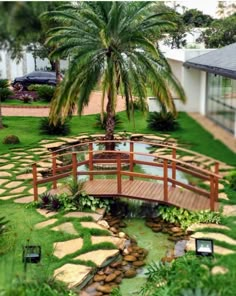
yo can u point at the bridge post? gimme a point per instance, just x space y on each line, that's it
173 166
35 185
212 193
74 166
216 180
131 160
165 178
54 169
90 161
119 173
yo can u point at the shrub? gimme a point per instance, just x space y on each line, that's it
60 128
92 203
11 139
45 92
162 121
26 98
232 180
102 123
5 92
49 201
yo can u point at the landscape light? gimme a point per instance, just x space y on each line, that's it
31 254
204 247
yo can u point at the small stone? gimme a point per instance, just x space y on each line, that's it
138 263
103 223
110 277
99 278
219 270
130 273
130 258
105 289
121 234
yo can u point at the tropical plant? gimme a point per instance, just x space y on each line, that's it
185 218
61 127
232 180
5 92
162 121
101 121
113 43
45 92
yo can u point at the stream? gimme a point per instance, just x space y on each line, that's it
157 246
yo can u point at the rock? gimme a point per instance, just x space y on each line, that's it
114 229
118 280
176 229
138 263
110 277
130 258
99 278
103 223
167 259
219 270
116 264
117 272
121 234
105 289
156 229
130 273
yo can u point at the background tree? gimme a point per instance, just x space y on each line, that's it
111 43
196 18
220 33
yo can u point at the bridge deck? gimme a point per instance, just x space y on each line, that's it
149 191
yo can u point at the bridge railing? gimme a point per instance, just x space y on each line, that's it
169 165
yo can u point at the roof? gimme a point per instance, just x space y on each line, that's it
221 61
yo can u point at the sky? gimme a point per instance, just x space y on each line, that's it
207 6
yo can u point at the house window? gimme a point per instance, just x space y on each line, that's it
221 101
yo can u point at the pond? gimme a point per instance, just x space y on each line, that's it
157 245
139 148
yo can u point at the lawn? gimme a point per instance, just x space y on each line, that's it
190 134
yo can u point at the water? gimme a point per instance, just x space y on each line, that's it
139 148
157 245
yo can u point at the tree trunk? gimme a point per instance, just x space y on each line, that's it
110 124
55 66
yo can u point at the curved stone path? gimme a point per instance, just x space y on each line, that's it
15 183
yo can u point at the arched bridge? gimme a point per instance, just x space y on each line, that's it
111 174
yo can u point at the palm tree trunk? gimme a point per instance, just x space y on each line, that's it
110 124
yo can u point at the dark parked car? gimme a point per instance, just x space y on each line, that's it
37 77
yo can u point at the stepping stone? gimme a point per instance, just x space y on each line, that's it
7 197
67 227
196 226
92 225
69 140
46 213
24 177
154 138
20 153
223 195
229 210
72 274
221 186
2 160
7 167
62 249
18 190
95 216
118 242
219 270
45 223
217 249
187 158
40 190
215 236
2 191
26 199
54 145
81 137
44 164
99 257
2 181
13 184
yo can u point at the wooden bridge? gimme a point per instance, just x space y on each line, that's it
162 188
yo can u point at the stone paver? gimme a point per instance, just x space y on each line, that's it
45 223
40 190
5 174
118 242
26 199
98 257
46 213
2 191
95 216
18 190
229 210
67 227
216 236
54 145
72 274
7 166
223 195
92 225
2 181
62 249
13 184
219 270
6 197
24 177
2 160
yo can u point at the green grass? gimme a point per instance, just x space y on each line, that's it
15 102
190 134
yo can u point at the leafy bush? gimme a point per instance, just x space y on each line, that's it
26 98
33 87
186 218
92 203
102 123
5 92
162 121
49 201
11 139
60 128
45 92
232 180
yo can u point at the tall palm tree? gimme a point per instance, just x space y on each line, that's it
114 44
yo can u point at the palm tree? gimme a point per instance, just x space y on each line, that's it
114 44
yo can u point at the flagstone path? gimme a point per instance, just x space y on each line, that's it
15 183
